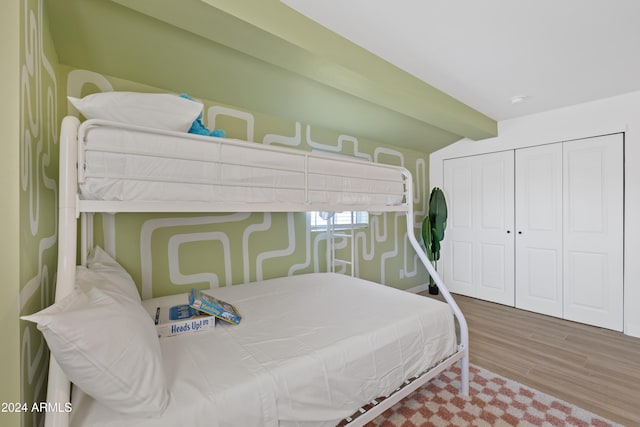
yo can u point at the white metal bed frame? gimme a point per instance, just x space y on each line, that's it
72 206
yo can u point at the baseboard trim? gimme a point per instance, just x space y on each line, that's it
419 288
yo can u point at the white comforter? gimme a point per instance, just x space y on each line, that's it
309 351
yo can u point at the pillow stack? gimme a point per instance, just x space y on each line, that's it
105 341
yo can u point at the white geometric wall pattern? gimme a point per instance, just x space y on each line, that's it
218 110
365 240
339 147
77 79
291 141
178 240
153 225
238 242
39 121
295 268
419 188
420 207
288 250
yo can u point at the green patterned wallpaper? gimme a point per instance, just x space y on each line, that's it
169 254
39 123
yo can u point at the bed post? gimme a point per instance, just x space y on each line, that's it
463 345
59 387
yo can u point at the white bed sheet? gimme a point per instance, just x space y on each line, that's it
309 351
125 164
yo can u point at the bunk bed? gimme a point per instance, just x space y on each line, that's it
320 369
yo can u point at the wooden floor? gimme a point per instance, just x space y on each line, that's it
596 369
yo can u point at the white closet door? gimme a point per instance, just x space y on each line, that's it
538 229
456 256
593 231
478 251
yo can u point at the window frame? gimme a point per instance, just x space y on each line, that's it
348 220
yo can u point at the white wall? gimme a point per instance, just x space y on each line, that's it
611 115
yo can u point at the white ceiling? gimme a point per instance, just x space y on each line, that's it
484 52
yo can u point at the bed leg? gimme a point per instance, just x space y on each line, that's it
58 393
464 374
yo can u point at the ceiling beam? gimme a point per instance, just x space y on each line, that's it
274 33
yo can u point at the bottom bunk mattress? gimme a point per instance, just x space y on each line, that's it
310 350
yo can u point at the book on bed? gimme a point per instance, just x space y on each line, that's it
213 306
179 319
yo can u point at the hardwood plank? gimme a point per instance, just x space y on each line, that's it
594 368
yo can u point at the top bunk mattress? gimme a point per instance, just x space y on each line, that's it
129 163
309 350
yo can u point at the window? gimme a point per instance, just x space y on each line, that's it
342 220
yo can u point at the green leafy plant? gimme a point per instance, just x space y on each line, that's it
433 227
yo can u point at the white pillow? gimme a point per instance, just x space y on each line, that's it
156 110
108 346
104 272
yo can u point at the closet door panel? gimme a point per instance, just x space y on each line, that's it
457 254
477 258
494 261
593 231
538 228
461 278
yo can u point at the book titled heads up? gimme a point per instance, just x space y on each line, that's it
213 306
180 319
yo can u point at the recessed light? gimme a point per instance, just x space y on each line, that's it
519 99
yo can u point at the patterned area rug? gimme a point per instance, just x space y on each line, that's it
494 401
